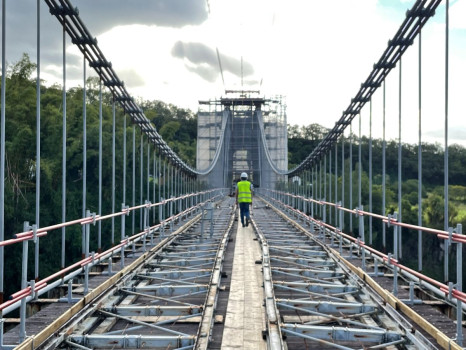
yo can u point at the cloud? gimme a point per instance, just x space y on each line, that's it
206 72
455 133
202 60
457 12
196 53
102 15
131 78
98 16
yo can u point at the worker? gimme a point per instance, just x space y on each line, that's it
244 198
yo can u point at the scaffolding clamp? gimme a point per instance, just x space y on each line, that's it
34 233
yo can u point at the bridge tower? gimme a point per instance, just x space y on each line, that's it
242 132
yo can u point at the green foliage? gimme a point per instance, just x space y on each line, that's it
302 140
178 125
432 203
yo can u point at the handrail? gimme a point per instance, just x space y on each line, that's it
42 286
458 238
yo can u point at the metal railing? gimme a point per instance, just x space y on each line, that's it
31 290
452 292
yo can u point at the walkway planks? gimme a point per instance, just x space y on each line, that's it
244 321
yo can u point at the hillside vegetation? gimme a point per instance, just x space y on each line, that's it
177 126
302 141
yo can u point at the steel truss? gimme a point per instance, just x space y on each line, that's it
80 36
415 19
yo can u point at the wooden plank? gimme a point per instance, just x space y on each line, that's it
84 327
434 302
105 326
12 320
45 301
244 316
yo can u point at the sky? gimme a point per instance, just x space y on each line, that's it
314 53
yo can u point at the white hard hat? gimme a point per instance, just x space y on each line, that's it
244 175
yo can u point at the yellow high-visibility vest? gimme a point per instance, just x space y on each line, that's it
244 192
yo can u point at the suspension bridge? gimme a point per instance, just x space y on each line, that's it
304 274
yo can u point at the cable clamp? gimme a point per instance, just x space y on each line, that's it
34 233
32 284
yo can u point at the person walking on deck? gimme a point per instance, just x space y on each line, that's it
244 198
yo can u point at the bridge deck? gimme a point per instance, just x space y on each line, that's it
240 315
432 310
50 309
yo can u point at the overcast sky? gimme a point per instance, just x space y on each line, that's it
315 53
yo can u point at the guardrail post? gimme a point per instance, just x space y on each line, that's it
162 231
363 255
123 229
171 214
376 267
2 321
191 204
70 291
87 229
151 234
202 222
210 216
180 205
146 218
411 291
395 234
395 275
22 322
350 256
305 206
332 237
340 246
301 204
143 237
122 260
324 214
459 287
34 295
361 223
362 238
340 228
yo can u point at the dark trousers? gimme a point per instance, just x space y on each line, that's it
244 211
